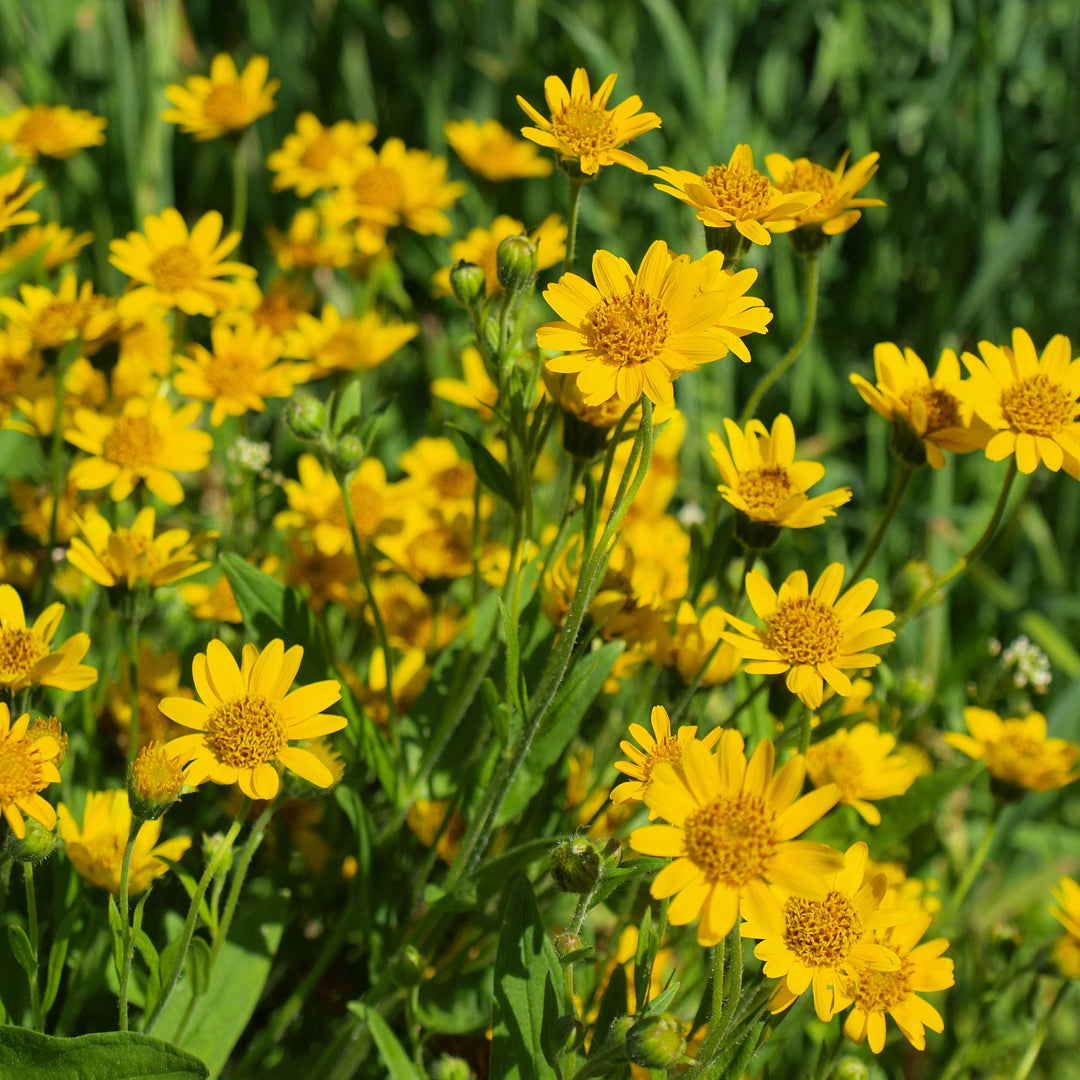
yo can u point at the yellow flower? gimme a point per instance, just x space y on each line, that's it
426 819
53 319
823 942
51 131
741 314
328 579
306 159
813 636
1017 750
154 782
490 150
481 247
226 101
922 970
838 209
737 194
27 768
432 548
147 442
732 829
277 309
915 895
332 343
178 269
34 505
214 603
632 333
307 244
96 847
158 676
411 674
1030 402
478 391
20 370
695 638
1067 947
922 407
247 717
582 129
14 197
84 387
133 556
408 615
26 655
444 480
657 746
765 483
51 243
862 764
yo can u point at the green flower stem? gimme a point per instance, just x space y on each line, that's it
971 872
193 912
133 681
125 916
32 934
240 186
748 564
805 717
726 991
896 496
572 203
1027 1062
813 268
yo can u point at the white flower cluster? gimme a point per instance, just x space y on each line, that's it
1030 665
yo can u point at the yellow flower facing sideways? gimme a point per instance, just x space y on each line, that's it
27 768
53 244
26 654
53 319
495 153
838 209
1067 947
333 343
14 196
307 158
54 131
227 101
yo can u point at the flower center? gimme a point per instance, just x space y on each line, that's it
821 933
367 509
439 553
732 839
1037 406
627 329
276 312
340 351
231 374
228 105
20 650
942 408
246 732
134 442
834 762
319 153
41 130
586 127
379 186
741 192
878 991
806 176
805 631
58 322
20 770
12 369
667 749
129 550
176 268
455 482
1015 753
765 490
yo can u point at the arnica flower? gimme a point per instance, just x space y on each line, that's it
811 635
925 410
155 782
214 603
306 159
822 941
432 548
874 993
96 847
582 130
427 821
736 194
228 101
53 319
27 768
411 675
481 245
477 390
158 676
495 153
861 762
52 243
175 268
445 480
26 654
14 197
1067 947
693 642
134 557
54 131
408 614
247 717
656 746
733 825
309 243
242 371
147 442
1016 750
839 208
333 343
1028 400
633 333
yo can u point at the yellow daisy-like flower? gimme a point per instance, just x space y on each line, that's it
922 970
811 635
27 768
241 372
445 480
477 391
425 819
838 209
1067 947
214 603
26 654
53 244
408 615
656 746
411 674
133 556
308 243
737 194
432 548
14 197
306 159
53 319
733 828
582 129
332 343
822 942
175 268
1017 750
765 483
227 101
633 333
693 642
925 410
1028 400
862 764
55 131
247 717
148 441
96 847
495 153
276 309
481 247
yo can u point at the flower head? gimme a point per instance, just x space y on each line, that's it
14 197
52 243
697 650
53 319
155 781
732 829
27 768
333 343
247 717
227 101
495 153
1067 947
582 130
215 603
307 159
51 131
26 654
310 243
838 208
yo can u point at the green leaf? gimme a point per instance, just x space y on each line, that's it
347 409
397 1062
491 474
525 961
26 1055
612 1005
20 946
513 657
901 816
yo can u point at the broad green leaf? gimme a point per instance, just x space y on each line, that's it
491 474
347 408
26 1055
901 816
398 1064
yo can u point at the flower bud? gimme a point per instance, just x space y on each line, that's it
515 263
407 969
575 864
216 852
567 943
468 282
154 783
306 417
451 1068
656 1042
911 581
348 453
850 1068
564 1035
36 846
917 691
51 727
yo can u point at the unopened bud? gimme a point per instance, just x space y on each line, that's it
850 1068
50 727
451 1068
348 453
564 1035
515 263
407 969
35 846
656 1042
217 853
468 283
575 864
910 582
917 688
306 417
155 782
567 943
